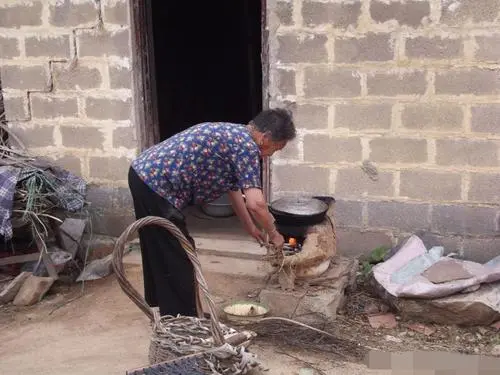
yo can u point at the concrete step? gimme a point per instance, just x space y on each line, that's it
226 256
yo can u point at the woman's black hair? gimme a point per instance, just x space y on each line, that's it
277 122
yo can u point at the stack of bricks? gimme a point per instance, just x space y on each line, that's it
65 70
411 88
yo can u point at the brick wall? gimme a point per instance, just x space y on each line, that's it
65 70
398 105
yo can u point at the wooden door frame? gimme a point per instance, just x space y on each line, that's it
144 82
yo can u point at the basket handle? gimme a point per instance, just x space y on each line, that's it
129 233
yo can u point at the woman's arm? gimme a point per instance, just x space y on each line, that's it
257 207
240 209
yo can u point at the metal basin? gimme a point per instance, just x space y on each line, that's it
221 207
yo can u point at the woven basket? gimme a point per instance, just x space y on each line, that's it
181 336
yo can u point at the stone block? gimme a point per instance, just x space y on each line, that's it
76 77
353 182
312 305
108 109
21 14
72 14
70 234
101 43
398 150
82 137
481 250
357 242
125 137
371 47
24 77
484 187
71 163
450 243
460 219
15 108
430 185
9 47
363 116
310 48
410 13
339 15
10 291
467 152
325 149
116 12
475 11
51 107
331 83
440 117
33 290
398 215
311 116
434 48
111 224
486 118
53 46
301 178
488 48
285 82
284 11
106 199
471 82
348 213
120 77
35 136
109 168
397 83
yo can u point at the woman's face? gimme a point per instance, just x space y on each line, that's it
268 147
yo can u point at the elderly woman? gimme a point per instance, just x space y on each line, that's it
196 166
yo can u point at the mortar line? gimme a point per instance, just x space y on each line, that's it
431 83
431 150
299 81
397 184
396 113
435 11
364 215
333 179
45 14
364 84
297 14
365 148
331 119
465 188
467 119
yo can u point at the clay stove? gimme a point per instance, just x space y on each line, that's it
310 279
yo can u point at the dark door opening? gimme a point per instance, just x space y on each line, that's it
207 62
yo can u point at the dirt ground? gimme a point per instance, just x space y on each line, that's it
102 332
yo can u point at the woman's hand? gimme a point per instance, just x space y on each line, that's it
276 239
258 235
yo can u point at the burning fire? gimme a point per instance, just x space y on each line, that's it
292 241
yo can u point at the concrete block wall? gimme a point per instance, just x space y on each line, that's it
65 71
398 105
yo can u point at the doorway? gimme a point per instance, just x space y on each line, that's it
207 62
198 62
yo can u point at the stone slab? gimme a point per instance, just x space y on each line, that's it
314 300
71 232
10 291
33 290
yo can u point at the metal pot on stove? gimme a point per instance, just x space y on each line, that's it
295 214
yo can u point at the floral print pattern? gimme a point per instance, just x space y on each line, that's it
201 163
